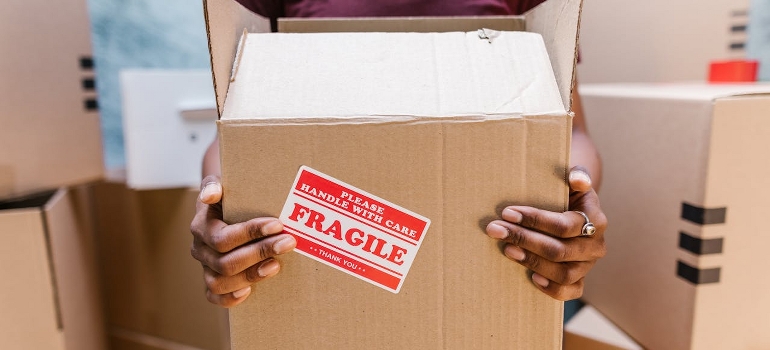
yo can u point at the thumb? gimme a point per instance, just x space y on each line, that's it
579 180
211 190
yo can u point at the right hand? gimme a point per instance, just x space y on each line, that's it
234 256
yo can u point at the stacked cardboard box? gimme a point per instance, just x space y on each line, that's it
50 298
49 140
686 188
454 168
153 290
588 329
50 136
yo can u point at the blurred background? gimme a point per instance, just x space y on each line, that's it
169 34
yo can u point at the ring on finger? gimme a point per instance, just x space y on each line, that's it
588 228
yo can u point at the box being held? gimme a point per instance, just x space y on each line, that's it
686 187
447 124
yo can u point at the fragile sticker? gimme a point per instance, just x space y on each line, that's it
352 230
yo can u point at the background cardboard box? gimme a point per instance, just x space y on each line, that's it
588 329
50 297
685 188
447 302
154 290
659 40
50 134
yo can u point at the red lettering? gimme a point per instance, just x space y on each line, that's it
375 249
299 211
353 240
315 220
334 230
396 255
353 236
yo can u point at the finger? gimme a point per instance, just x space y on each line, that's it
558 291
548 247
224 238
211 190
230 299
220 284
562 273
241 258
564 225
579 179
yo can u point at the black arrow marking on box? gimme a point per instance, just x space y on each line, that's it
698 276
89 84
86 63
703 216
91 104
700 246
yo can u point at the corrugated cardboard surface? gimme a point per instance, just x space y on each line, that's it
50 267
45 121
461 291
152 286
702 149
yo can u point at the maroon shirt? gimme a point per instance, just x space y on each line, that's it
374 8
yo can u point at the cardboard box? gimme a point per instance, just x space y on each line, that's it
449 164
50 297
168 123
50 135
154 290
659 40
685 187
590 330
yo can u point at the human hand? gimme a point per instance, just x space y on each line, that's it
550 243
234 256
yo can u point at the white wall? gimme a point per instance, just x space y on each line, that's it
657 40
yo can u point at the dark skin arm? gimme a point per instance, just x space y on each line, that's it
549 243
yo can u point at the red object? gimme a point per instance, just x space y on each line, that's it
737 71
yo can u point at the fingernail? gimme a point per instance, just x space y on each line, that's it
209 191
268 268
272 228
579 175
515 252
242 292
511 215
540 280
284 245
496 231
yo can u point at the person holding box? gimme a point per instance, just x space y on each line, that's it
559 247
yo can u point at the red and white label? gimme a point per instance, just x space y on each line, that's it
351 230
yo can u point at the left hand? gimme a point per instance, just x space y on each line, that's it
550 243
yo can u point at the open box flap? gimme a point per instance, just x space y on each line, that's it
556 20
225 22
